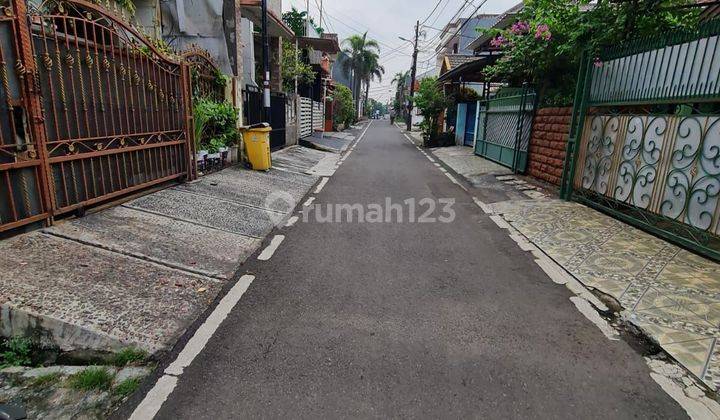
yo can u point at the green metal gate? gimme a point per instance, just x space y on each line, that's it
504 126
644 142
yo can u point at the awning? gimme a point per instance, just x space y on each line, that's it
469 72
252 10
326 45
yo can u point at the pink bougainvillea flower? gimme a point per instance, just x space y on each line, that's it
597 62
542 31
520 28
498 41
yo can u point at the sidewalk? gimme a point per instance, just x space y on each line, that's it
330 142
138 274
672 295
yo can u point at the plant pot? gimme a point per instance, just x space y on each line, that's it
214 155
201 155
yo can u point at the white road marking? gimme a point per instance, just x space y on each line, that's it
485 208
593 316
268 252
154 399
308 201
502 224
291 221
363 133
522 242
321 185
437 164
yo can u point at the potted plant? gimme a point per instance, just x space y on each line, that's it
215 131
201 117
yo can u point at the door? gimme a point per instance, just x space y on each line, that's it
470 122
461 119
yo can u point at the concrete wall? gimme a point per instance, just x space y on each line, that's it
547 143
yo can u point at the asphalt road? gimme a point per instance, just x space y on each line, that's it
413 320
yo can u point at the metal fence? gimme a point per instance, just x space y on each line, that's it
306 117
278 109
504 126
91 111
207 80
318 116
645 137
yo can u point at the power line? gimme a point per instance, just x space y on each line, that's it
440 13
461 26
359 31
466 3
355 29
433 11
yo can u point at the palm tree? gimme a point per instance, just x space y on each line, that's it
373 70
400 79
357 48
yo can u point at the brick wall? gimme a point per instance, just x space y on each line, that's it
547 144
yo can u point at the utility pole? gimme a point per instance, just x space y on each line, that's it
413 74
321 12
307 18
266 63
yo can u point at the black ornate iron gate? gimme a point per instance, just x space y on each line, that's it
253 113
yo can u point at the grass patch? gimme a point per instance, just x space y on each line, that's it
45 380
126 387
129 356
91 379
16 351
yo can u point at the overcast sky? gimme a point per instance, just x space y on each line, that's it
386 20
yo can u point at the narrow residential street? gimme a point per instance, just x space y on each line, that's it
431 320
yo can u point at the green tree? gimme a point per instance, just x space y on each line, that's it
373 106
400 80
293 66
359 49
373 71
431 102
296 19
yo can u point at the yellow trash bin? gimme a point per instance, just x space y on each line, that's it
257 146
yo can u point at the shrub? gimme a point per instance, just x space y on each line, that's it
45 380
344 108
91 379
431 101
126 387
15 351
129 356
544 46
215 124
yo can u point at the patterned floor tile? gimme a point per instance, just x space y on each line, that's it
673 294
692 354
712 372
660 298
664 335
675 316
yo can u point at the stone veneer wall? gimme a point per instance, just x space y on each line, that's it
547 143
